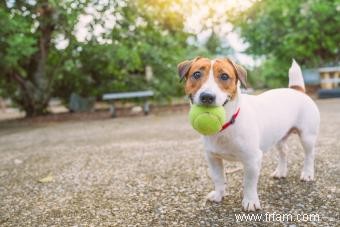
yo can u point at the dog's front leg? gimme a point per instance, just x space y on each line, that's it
216 170
252 166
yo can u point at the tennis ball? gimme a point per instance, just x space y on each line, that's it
207 120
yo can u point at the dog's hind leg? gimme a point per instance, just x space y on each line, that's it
281 169
308 143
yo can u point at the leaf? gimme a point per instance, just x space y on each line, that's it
47 179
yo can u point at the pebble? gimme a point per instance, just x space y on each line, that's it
18 161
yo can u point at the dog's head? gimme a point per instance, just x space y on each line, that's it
211 82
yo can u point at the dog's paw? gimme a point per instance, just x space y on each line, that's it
251 204
279 173
307 176
215 196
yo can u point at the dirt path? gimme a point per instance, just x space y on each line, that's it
149 171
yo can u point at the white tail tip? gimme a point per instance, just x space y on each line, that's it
295 76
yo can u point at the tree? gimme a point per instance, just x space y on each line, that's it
29 30
280 30
145 33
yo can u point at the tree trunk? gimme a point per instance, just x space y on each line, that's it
35 89
28 97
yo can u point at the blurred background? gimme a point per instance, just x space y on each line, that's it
63 56
68 66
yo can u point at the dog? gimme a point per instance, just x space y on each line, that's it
256 123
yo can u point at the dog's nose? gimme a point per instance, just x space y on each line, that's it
207 98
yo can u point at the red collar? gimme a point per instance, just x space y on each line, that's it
232 120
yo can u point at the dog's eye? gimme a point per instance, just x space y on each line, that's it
224 76
196 75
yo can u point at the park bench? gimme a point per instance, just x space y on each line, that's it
112 97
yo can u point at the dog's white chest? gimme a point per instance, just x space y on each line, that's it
223 147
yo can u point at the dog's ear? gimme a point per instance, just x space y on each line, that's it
184 67
240 72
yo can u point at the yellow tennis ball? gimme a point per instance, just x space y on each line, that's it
207 120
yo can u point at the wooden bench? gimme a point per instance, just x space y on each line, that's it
129 95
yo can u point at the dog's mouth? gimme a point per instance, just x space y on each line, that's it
208 105
226 100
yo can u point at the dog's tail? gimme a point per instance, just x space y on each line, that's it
295 77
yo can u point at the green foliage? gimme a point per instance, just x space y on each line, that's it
30 61
281 30
272 73
17 42
145 33
141 38
216 47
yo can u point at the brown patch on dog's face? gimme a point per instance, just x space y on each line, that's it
218 79
192 84
225 76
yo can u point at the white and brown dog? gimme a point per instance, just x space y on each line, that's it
257 123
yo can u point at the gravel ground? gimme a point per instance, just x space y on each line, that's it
149 171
